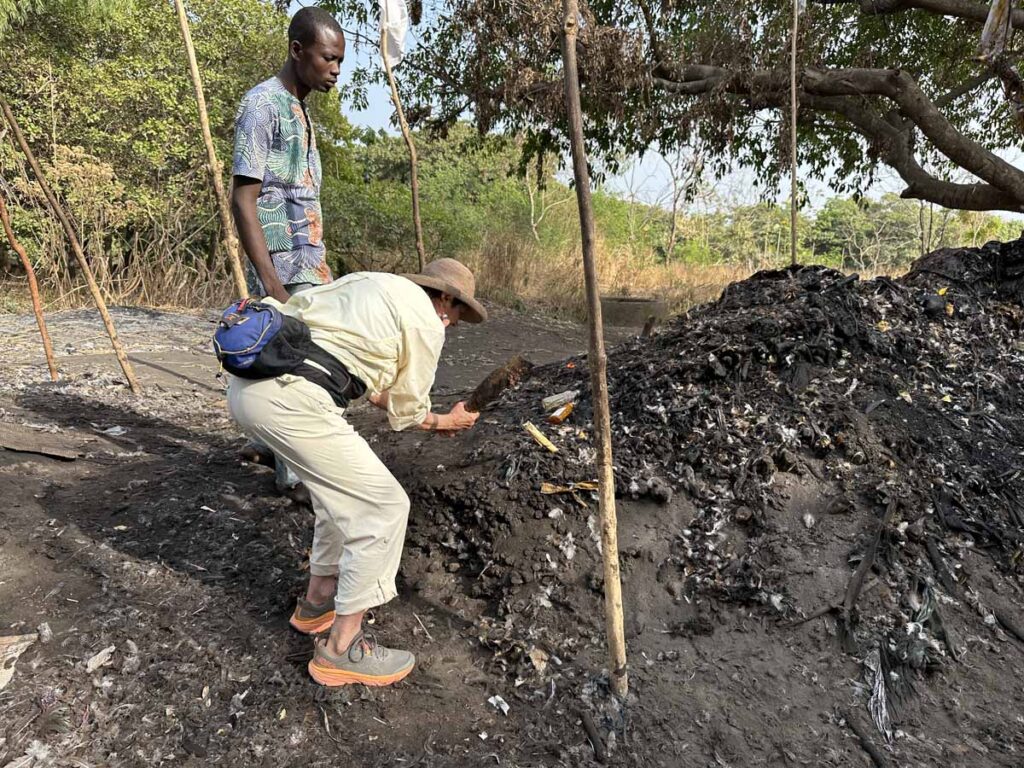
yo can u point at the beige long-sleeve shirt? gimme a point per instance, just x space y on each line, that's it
384 329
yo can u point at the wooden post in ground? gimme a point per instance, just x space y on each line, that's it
792 134
76 247
226 224
414 180
33 288
597 359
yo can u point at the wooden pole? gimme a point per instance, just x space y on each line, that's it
414 180
33 288
792 135
216 172
76 248
597 359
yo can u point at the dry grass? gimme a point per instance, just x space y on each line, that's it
511 271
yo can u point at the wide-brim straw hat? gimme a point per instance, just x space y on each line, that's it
454 278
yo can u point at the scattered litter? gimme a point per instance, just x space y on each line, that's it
114 431
11 647
561 414
45 633
537 435
552 488
499 703
100 659
539 659
557 401
568 547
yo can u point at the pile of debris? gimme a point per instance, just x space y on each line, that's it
898 398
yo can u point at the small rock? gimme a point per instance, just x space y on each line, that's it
45 633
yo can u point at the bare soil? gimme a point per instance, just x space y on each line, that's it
766 445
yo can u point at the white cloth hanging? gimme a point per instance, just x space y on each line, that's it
394 22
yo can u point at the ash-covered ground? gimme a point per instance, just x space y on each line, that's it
820 529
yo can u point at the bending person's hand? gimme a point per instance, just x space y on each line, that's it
456 420
461 418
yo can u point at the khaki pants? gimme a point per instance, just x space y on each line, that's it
361 510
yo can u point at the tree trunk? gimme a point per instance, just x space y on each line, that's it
33 288
597 360
414 180
216 172
76 248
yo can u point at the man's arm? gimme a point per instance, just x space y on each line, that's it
455 421
244 194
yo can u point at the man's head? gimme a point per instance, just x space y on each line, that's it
316 48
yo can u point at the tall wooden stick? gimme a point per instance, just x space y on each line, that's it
792 134
414 180
216 172
33 288
596 357
76 248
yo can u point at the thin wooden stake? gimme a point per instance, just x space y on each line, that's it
216 171
792 135
597 359
414 180
76 248
33 288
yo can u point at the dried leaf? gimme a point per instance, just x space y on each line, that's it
100 659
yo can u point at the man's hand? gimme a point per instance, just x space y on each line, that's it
460 418
456 420
380 399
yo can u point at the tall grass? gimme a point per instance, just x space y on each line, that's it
516 271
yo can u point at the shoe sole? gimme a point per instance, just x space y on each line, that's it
312 626
333 677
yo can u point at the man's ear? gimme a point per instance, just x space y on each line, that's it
294 50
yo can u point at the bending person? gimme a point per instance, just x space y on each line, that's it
387 330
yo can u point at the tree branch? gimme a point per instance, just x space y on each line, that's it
844 88
961 9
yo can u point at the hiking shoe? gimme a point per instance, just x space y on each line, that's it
310 618
365 662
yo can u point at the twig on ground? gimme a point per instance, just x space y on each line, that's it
861 733
424 628
595 738
327 726
846 611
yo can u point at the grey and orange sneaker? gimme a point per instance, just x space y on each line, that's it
310 618
365 662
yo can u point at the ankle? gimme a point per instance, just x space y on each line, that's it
321 589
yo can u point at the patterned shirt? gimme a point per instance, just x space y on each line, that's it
274 143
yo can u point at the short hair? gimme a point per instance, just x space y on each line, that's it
307 23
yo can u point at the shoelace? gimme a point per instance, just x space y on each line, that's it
366 645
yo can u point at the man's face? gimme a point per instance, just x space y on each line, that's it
319 64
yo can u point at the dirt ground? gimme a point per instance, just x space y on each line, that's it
764 451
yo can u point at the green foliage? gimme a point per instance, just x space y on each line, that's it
113 92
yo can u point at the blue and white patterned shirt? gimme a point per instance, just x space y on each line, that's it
275 144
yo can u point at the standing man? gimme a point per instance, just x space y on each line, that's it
276 194
275 197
